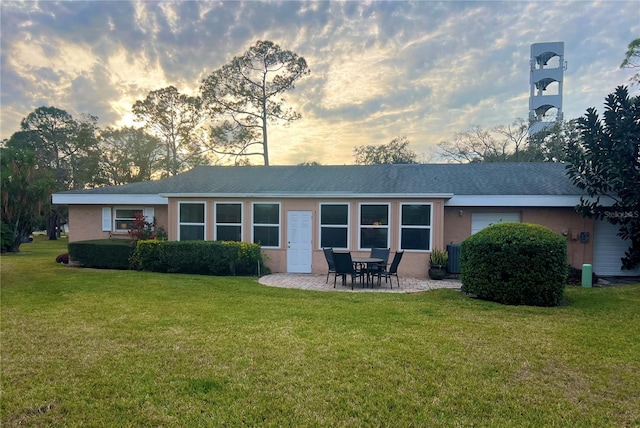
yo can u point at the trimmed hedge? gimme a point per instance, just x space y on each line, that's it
102 253
198 257
515 263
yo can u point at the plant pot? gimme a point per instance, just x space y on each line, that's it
437 272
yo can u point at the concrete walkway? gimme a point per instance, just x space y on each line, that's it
317 282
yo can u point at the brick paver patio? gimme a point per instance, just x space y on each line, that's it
317 282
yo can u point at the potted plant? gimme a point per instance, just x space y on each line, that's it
438 264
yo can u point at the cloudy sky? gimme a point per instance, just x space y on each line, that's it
423 70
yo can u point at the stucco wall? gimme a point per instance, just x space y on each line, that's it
564 221
449 225
414 264
85 222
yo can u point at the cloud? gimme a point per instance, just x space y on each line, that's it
379 69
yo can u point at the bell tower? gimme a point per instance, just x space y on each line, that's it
546 79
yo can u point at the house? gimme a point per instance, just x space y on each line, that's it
295 211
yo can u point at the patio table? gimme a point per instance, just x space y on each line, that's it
366 261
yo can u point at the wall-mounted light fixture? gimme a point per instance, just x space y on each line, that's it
460 213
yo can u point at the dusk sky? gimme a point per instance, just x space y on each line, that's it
424 70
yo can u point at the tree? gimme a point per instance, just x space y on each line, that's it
233 140
65 145
396 152
606 163
175 119
549 144
246 92
473 145
508 143
129 155
632 59
25 189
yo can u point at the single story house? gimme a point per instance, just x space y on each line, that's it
295 211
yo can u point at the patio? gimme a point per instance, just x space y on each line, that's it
317 282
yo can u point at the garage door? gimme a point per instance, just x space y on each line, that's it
608 249
481 220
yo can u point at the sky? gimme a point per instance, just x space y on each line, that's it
379 69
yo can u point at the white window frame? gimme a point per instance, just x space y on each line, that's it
361 226
279 225
337 226
115 216
401 226
215 221
204 224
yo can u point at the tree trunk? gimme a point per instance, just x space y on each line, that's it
265 142
52 222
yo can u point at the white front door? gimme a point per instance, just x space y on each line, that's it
299 241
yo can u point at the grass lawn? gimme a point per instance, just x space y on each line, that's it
84 347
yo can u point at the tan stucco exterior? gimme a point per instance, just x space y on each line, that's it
565 221
85 222
414 263
448 225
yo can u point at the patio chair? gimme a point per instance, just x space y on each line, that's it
376 269
393 269
344 267
328 254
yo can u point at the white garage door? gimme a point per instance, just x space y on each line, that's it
608 249
481 220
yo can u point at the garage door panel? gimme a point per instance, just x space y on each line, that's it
481 220
608 250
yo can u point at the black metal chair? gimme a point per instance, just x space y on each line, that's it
375 269
344 267
393 269
328 254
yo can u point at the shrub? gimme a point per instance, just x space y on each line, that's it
63 258
439 257
102 253
515 263
198 257
6 237
142 229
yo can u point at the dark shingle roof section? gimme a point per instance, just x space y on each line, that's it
458 179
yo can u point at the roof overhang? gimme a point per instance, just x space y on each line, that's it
513 201
107 199
451 199
307 195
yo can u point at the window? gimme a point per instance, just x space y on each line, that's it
124 218
334 226
106 219
228 222
191 223
374 226
266 224
415 227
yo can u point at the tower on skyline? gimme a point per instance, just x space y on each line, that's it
546 79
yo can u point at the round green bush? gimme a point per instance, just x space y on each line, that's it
515 264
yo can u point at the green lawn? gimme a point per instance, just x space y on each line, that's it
83 347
